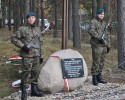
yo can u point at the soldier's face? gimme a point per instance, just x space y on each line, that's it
101 16
31 19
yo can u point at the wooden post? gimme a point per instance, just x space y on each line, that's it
65 24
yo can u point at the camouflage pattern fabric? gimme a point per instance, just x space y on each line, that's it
99 50
23 36
30 62
98 56
30 70
96 30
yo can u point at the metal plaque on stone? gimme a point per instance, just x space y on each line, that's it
72 68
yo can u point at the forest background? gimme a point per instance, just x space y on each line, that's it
80 12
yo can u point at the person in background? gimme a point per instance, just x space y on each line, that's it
31 57
100 44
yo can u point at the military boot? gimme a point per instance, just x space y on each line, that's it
94 80
100 80
41 60
35 91
24 93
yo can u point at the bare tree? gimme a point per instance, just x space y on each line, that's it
109 7
94 7
27 2
55 33
0 16
100 3
3 11
22 11
121 34
76 27
9 14
16 14
33 5
42 15
70 21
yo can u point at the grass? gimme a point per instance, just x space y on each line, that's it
9 72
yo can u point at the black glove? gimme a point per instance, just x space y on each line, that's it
25 49
108 49
41 60
102 41
49 28
109 28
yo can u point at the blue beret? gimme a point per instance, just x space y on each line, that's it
99 11
30 14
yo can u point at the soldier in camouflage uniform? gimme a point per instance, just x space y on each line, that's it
31 57
100 47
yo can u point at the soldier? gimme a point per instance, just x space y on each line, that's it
31 57
100 44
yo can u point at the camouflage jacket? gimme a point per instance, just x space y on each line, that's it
96 30
23 36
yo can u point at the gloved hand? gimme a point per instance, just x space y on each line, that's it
49 28
25 49
41 60
108 49
109 27
101 41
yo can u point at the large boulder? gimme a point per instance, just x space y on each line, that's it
51 77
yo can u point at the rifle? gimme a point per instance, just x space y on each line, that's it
32 42
105 32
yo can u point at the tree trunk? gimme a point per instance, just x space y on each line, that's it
27 2
3 11
16 15
121 32
108 10
0 15
99 4
33 5
42 16
22 11
76 27
94 7
70 21
9 15
55 33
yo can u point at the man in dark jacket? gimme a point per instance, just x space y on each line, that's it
31 57
100 44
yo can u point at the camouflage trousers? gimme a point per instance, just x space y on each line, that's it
98 56
30 70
